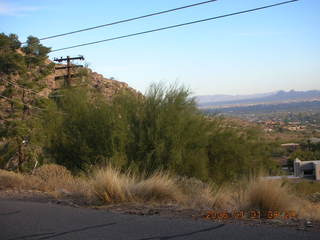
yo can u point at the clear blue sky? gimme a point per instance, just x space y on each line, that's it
268 50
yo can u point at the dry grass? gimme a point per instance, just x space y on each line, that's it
264 195
58 181
159 187
11 180
110 185
197 194
305 188
53 179
267 195
18 181
52 171
308 210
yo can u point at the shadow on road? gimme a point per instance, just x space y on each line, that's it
31 236
9 213
52 235
184 234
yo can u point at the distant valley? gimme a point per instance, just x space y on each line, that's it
279 97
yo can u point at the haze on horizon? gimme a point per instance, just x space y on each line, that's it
265 51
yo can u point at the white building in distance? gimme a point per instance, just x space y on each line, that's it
307 169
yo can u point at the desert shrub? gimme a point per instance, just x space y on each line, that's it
235 152
90 134
169 133
11 180
163 130
265 195
315 197
197 193
52 171
19 181
109 185
305 188
55 178
159 187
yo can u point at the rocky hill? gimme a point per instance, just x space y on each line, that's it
107 86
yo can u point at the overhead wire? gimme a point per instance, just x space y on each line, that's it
148 31
11 100
19 86
127 20
175 26
27 104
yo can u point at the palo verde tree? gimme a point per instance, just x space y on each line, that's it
161 130
168 132
88 133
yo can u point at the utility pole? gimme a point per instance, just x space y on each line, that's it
67 78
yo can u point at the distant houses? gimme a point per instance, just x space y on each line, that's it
307 169
290 146
314 140
270 126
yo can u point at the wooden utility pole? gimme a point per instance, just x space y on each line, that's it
67 77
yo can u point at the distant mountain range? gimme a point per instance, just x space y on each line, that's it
218 101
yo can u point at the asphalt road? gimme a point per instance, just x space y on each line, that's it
35 221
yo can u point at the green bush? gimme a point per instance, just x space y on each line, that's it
162 130
89 132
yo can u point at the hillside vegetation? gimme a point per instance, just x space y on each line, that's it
112 145
108 186
81 129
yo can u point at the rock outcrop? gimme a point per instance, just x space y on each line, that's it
107 86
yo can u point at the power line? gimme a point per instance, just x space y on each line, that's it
11 100
127 20
26 89
29 105
175 26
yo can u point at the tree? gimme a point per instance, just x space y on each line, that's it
235 152
169 133
89 133
22 72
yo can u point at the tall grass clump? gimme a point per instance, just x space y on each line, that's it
109 185
159 187
277 195
11 180
267 195
198 194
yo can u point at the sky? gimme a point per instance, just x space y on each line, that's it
264 51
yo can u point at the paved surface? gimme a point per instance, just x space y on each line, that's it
35 221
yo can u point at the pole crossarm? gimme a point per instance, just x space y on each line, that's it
69 66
